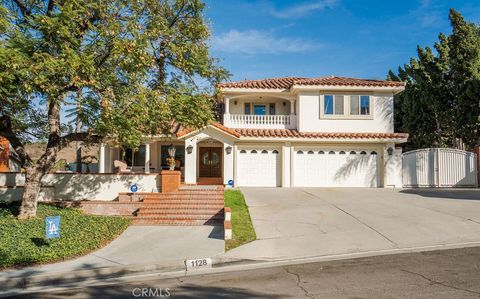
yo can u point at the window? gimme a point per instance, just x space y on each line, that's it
259 109
271 108
247 109
359 105
264 152
364 105
333 105
243 152
275 152
135 157
253 152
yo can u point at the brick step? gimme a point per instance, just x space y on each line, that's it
186 212
190 196
182 217
183 201
183 196
177 222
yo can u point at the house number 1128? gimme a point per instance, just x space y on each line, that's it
198 263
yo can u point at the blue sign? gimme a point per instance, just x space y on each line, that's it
230 182
134 188
52 227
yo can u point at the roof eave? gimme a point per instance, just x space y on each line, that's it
393 89
324 139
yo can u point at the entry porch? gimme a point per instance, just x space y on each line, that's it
205 157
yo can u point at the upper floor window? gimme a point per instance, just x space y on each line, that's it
333 105
346 106
359 105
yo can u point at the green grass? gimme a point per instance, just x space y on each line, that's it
22 242
242 227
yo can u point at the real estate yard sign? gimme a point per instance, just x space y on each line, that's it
52 227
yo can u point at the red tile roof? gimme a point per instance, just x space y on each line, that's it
279 133
288 133
288 82
217 125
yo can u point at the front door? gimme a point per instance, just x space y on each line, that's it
210 162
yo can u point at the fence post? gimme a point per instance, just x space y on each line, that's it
477 151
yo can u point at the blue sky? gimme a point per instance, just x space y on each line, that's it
358 38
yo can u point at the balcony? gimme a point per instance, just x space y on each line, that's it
245 121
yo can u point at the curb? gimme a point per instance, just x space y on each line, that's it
115 275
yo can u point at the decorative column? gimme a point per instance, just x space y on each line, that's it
101 158
293 117
147 158
292 107
286 164
191 160
226 115
110 159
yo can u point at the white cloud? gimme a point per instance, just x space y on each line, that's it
303 9
259 42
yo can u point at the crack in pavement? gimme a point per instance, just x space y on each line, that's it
440 283
297 276
370 227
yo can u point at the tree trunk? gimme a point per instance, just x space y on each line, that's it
31 190
78 129
37 171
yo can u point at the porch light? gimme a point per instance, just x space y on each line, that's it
228 149
189 149
390 151
171 150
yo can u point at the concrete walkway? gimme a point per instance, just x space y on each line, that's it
141 245
307 222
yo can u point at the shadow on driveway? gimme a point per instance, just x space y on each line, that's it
462 194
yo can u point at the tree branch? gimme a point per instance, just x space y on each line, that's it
25 11
51 4
83 136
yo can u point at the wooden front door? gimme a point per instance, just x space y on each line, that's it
210 162
3 154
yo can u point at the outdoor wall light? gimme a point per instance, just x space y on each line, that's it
171 150
284 103
390 151
189 149
235 102
228 150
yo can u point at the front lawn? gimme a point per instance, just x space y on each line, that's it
22 242
242 227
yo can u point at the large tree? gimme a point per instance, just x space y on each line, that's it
129 67
441 104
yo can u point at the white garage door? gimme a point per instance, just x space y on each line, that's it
258 167
317 167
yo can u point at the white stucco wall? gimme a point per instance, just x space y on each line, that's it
80 186
310 120
393 167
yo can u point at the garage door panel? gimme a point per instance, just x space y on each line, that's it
258 167
319 167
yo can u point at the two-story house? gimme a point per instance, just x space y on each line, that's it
286 132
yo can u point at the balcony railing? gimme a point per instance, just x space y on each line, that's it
259 121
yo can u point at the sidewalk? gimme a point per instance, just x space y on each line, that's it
139 248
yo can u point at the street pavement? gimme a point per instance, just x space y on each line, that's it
307 222
436 274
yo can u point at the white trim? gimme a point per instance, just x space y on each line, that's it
394 90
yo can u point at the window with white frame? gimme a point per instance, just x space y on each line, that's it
359 105
333 105
346 106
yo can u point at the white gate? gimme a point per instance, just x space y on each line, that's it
439 167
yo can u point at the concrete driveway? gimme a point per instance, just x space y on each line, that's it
308 222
